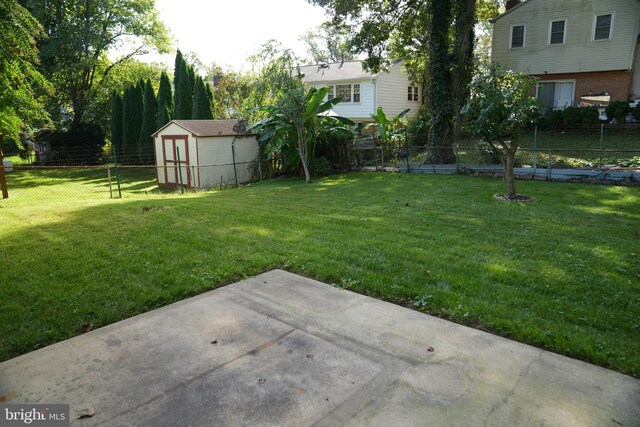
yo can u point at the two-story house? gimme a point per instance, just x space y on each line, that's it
579 49
362 92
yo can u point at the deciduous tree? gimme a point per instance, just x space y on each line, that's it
79 36
21 85
499 107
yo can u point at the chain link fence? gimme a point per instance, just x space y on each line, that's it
595 154
76 175
605 154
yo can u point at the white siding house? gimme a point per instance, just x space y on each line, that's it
363 92
577 48
204 153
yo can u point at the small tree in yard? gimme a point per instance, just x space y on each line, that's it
499 106
297 120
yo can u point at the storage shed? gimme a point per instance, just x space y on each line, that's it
204 153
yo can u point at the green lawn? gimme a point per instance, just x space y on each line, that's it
561 273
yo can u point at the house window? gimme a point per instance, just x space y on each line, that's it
556 95
412 93
356 92
347 92
557 31
343 92
516 38
602 25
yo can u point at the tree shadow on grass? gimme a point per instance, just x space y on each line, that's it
529 272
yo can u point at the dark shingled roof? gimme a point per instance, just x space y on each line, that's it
208 127
337 71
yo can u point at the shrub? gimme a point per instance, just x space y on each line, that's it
555 117
418 128
572 115
617 110
79 145
636 112
590 116
320 166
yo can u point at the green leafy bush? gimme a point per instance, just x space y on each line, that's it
572 115
320 166
418 128
590 116
555 117
617 110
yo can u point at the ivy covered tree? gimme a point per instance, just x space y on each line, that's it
433 38
442 106
165 101
148 126
116 122
499 107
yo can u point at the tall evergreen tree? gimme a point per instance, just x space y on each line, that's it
211 100
127 117
179 75
131 123
183 82
189 86
165 101
202 108
116 123
149 120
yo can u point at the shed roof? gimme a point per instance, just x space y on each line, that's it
226 127
337 71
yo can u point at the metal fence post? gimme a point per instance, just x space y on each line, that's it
601 143
535 146
233 156
115 162
3 177
109 177
382 157
549 167
180 170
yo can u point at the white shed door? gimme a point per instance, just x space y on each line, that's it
175 151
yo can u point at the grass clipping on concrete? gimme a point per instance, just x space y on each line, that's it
560 272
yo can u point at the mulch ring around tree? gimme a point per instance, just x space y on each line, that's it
518 198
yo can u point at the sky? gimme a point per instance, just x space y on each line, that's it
228 31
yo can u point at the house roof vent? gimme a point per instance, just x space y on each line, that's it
511 4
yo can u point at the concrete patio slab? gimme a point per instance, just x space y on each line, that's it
283 350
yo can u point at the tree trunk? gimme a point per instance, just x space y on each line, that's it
302 149
440 86
463 54
510 159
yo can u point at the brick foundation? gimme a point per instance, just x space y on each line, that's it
616 83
